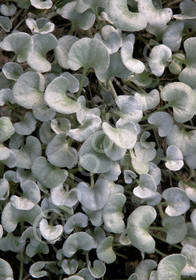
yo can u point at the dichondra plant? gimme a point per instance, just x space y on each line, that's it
98 139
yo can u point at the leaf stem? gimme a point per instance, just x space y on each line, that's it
161 211
160 253
158 110
82 81
113 92
21 255
165 241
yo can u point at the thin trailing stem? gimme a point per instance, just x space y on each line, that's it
165 241
160 253
158 110
161 211
92 180
112 90
21 255
85 70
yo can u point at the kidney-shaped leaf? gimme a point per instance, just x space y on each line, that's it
41 25
182 98
170 267
60 154
69 266
41 44
159 58
176 229
189 252
98 269
6 272
88 53
26 126
78 220
124 19
12 70
56 97
6 129
144 269
163 121
18 42
95 197
146 188
36 269
112 213
138 222
28 89
173 35
105 251
174 158
41 4
50 233
78 241
177 200
48 175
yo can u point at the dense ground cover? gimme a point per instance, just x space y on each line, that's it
98 139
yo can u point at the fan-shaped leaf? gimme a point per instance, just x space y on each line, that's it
105 251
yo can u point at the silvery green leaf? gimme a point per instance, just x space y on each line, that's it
190 237
60 125
188 10
41 25
18 42
4 189
112 40
130 107
146 188
144 269
123 18
79 220
174 158
41 4
8 10
49 232
28 90
90 125
182 98
177 200
138 222
5 96
154 200
155 17
112 213
124 238
75 277
4 152
98 269
11 216
6 129
36 269
95 197
33 147
60 154
1 231
133 276
11 160
148 101
155 172
23 175
175 67
144 154
159 58
190 191
129 175
16 141
172 37
188 74
116 68
77 241
11 243
189 252
45 133
43 113
88 53
176 229
72 80
5 24
92 157
61 197
171 267
105 251
12 70
163 121
114 172
69 266
125 136
112 150
83 5
84 20
6 272
56 96
23 3
62 49
139 165
96 217
48 175
4 82
84 274
26 126
41 44
21 203
98 234
85 112
134 65
193 219
22 159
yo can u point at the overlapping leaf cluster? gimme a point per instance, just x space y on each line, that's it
97 138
